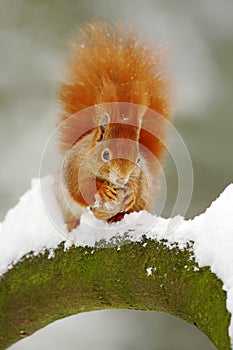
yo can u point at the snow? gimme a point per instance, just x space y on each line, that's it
150 270
27 228
36 224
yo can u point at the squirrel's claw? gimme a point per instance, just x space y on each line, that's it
107 193
129 200
130 205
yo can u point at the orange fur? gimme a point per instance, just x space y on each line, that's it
111 64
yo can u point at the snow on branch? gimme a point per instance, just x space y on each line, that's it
29 229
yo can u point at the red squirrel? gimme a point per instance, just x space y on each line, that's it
108 149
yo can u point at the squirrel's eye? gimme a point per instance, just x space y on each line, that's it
106 155
138 160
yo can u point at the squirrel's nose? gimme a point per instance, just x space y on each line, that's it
118 179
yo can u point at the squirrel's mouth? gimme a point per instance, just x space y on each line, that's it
118 180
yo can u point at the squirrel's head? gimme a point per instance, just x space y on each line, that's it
116 150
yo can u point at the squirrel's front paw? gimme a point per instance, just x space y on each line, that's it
110 202
129 199
106 204
106 193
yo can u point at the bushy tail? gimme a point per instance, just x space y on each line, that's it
111 63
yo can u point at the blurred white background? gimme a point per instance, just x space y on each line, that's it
33 43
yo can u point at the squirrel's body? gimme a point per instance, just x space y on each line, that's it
119 77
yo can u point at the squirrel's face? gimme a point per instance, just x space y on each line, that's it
117 159
116 152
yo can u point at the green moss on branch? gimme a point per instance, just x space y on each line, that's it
38 290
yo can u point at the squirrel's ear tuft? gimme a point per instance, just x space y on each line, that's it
103 123
105 119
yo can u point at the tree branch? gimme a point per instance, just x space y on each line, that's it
144 276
